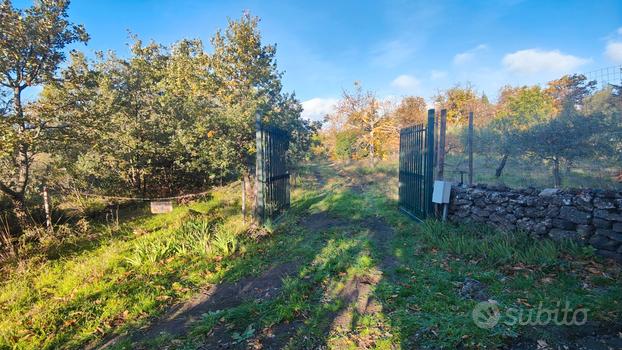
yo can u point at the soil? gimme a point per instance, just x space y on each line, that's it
179 318
591 336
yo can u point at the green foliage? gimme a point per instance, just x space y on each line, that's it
31 50
345 147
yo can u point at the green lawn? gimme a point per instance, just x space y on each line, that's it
347 242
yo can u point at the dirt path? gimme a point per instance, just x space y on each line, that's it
178 320
356 295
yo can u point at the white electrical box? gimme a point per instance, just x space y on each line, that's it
442 192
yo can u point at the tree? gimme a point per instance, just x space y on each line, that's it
31 49
248 81
517 110
563 139
458 101
364 113
411 110
570 89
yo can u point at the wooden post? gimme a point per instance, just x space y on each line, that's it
441 145
259 171
470 145
244 199
46 208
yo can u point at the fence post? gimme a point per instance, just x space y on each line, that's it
46 207
470 145
429 168
259 171
441 146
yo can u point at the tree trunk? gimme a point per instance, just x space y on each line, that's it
557 179
21 212
371 148
501 166
22 162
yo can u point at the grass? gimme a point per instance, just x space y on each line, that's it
152 261
115 283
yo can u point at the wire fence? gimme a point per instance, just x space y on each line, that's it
606 77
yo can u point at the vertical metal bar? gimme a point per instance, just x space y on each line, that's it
436 145
441 145
429 171
470 145
259 171
399 172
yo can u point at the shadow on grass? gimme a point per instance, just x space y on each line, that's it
319 271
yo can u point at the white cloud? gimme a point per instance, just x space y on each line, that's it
467 56
317 108
613 51
532 61
437 74
406 83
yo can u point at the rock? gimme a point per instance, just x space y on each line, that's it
510 218
610 255
600 223
480 212
616 236
527 201
584 231
608 214
563 224
473 289
572 214
534 212
603 203
479 202
617 227
552 211
540 228
558 234
525 224
602 242
461 201
496 218
605 193
584 201
548 192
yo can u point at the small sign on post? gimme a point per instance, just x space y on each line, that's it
161 207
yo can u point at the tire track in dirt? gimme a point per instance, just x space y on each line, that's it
180 318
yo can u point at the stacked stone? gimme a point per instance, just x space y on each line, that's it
590 216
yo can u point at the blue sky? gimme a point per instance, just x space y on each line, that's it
395 48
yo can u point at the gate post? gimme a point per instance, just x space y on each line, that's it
429 169
259 171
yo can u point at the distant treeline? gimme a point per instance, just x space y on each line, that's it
567 121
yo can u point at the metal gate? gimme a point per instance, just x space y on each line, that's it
416 169
271 170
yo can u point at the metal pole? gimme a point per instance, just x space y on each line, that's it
441 146
259 171
429 167
470 144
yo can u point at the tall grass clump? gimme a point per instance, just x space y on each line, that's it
496 247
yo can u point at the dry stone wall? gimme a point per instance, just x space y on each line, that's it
590 216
